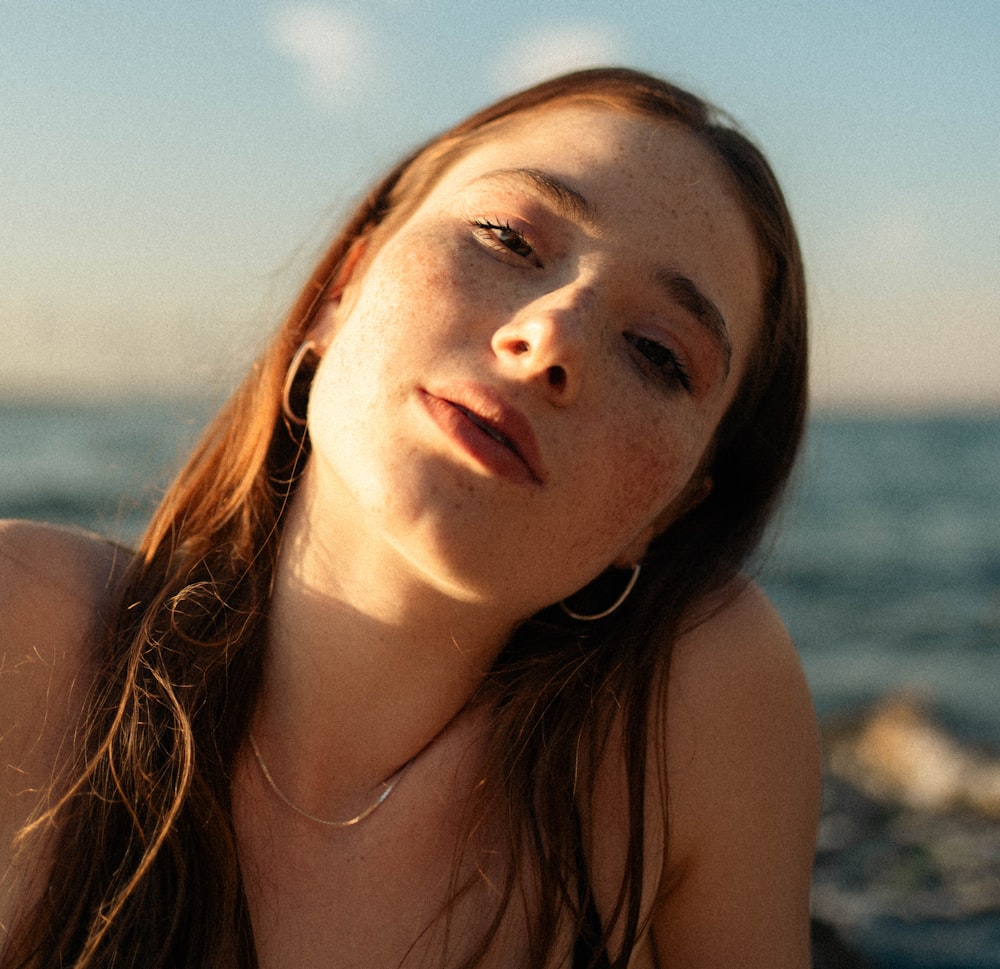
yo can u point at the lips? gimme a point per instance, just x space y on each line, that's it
493 432
484 425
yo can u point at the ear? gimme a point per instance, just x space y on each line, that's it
697 490
326 319
345 271
694 495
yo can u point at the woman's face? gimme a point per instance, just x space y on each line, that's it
520 382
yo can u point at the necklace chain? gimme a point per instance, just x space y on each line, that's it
387 788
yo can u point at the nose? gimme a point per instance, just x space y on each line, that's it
547 341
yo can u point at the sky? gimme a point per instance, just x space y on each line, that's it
169 169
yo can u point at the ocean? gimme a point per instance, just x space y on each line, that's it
885 563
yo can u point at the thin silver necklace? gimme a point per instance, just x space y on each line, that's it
388 785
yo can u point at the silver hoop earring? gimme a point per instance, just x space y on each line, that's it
583 617
291 375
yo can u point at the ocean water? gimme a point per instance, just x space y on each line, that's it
885 563
98 466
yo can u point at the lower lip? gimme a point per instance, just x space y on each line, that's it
471 439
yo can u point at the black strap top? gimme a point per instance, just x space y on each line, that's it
588 953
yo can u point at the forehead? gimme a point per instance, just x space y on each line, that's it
643 163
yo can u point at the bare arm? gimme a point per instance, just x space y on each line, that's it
744 784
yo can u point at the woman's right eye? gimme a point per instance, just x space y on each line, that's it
503 237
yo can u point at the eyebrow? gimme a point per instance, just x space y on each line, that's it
679 288
566 199
684 291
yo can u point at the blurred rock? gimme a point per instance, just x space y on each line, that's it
910 837
898 754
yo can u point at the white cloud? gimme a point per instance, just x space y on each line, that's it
548 51
333 50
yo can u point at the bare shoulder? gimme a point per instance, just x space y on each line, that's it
742 760
736 648
70 563
55 584
52 581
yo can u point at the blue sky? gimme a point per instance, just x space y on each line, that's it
168 170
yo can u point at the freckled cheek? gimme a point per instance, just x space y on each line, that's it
650 478
645 481
389 313
415 264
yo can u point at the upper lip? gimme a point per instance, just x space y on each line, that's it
488 410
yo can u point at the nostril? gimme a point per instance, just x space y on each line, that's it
557 377
520 347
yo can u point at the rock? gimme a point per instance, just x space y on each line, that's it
909 846
898 754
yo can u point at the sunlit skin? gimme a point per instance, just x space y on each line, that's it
492 283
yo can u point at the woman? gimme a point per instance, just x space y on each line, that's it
437 653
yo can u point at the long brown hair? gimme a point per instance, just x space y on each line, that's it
145 822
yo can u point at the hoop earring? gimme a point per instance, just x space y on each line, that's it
291 375
583 617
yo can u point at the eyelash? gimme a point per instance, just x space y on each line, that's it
490 234
661 361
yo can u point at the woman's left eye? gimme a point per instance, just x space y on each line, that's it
665 365
503 237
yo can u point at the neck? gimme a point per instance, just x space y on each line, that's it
367 660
